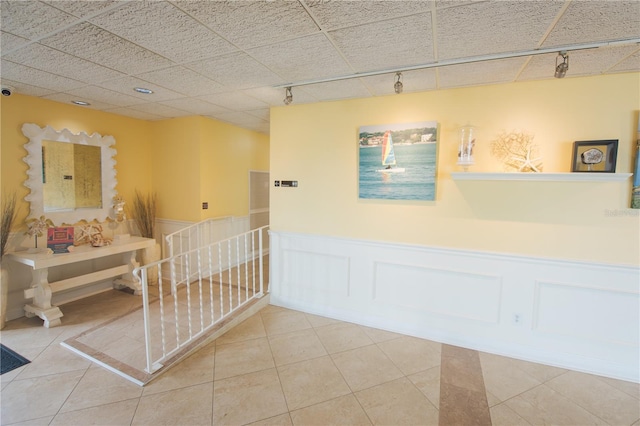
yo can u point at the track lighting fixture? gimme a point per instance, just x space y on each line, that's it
288 97
562 67
398 84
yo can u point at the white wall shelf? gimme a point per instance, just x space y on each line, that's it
548 177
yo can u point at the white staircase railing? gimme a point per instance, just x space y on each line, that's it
205 285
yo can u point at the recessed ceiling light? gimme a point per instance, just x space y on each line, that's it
81 103
143 90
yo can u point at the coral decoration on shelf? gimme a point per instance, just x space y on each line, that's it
36 227
517 152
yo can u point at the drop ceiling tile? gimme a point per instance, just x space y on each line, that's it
126 86
165 30
343 89
32 19
195 106
44 58
306 58
340 14
161 110
249 24
93 94
128 112
67 98
236 71
493 27
581 62
26 89
275 96
239 118
97 45
234 100
32 76
9 42
629 64
183 80
387 45
263 113
591 21
412 81
83 8
490 72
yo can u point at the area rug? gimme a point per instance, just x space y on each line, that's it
10 360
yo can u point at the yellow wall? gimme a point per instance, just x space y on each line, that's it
202 160
184 160
317 145
133 165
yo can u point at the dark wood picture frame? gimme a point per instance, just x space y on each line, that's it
587 153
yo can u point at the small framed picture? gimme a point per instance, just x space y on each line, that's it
595 156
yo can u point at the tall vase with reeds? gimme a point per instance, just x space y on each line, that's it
8 211
144 216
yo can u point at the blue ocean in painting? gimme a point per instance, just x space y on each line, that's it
418 182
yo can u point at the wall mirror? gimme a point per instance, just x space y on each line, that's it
72 177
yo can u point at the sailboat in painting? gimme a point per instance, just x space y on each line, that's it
388 155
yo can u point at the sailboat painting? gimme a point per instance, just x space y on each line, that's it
398 161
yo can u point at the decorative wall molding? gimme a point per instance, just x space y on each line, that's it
577 315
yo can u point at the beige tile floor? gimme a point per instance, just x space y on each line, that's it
283 367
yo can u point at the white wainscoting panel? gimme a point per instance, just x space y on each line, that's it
577 315
440 291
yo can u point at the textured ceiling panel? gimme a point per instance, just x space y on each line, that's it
340 14
596 21
68 98
46 59
162 110
343 89
242 119
581 62
32 76
127 85
100 94
234 100
165 30
195 106
135 114
97 45
412 81
388 44
252 23
84 8
302 59
490 27
32 19
183 80
263 114
632 63
236 71
275 96
25 89
500 71
8 42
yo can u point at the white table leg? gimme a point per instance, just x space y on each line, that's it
41 306
128 279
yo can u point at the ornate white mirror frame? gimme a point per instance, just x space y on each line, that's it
36 136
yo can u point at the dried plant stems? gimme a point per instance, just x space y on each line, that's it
8 217
144 213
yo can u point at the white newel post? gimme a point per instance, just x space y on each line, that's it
150 255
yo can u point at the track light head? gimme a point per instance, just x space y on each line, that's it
288 97
397 87
562 67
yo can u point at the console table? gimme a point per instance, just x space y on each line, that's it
41 289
